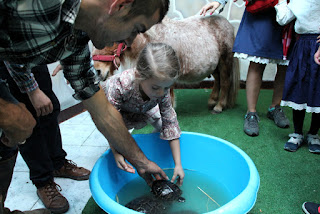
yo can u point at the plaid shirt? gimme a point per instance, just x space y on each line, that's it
37 32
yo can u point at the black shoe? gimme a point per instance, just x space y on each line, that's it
311 208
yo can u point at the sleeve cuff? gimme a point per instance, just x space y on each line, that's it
87 92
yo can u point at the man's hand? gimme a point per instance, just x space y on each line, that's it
16 122
150 172
57 69
41 103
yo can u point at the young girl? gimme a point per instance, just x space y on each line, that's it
259 41
142 96
302 83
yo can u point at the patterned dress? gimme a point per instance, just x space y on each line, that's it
122 91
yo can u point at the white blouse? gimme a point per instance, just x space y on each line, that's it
306 12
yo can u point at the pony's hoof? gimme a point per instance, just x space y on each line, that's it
215 112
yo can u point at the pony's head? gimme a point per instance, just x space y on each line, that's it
107 60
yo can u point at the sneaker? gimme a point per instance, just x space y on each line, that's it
313 143
294 142
52 199
251 126
278 116
70 170
311 208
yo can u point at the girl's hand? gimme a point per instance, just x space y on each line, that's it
212 6
121 162
317 56
179 174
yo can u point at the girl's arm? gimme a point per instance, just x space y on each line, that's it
178 170
121 162
317 54
284 14
212 6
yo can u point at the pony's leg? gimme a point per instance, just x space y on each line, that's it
225 68
229 74
214 96
224 71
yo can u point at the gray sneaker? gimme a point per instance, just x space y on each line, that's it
278 116
251 126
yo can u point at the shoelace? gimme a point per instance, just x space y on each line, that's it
278 112
252 118
52 190
71 165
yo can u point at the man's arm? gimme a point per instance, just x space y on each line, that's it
109 122
26 82
16 121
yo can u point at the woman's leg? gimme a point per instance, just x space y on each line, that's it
253 84
278 85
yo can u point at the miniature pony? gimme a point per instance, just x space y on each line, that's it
204 47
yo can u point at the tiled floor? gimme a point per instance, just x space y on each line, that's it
84 145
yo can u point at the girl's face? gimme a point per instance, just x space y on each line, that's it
154 88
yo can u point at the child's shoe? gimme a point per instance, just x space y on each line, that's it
294 142
311 208
277 115
251 126
313 143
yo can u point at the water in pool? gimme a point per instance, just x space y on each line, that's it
202 193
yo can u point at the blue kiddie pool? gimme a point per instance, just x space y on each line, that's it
211 156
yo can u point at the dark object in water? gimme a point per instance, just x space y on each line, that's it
166 190
163 191
146 204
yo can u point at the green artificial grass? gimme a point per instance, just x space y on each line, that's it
286 179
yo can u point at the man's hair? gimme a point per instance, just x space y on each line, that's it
148 8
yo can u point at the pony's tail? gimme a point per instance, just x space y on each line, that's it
235 83
173 98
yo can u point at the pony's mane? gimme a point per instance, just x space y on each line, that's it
152 32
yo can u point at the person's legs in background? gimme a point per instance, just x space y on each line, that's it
43 151
296 138
313 139
253 85
8 157
275 112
